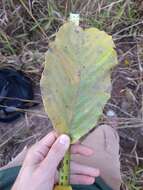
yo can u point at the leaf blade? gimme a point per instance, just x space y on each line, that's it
78 79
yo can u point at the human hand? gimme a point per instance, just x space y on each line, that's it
39 170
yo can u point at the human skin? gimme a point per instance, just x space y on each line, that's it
39 170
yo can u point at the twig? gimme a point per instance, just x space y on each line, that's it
124 29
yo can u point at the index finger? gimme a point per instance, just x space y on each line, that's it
39 151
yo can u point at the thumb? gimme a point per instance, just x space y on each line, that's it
56 154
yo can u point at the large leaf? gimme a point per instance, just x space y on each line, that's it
76 79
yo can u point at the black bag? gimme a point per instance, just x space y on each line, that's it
15 89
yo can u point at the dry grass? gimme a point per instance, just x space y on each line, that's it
25 30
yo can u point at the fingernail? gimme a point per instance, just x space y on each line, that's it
97 172
64 140
92 180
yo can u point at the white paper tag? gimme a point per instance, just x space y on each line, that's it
74 18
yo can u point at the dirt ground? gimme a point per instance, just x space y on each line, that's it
25 30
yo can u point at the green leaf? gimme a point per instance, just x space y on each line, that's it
76 79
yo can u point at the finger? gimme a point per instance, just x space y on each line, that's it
84 170
81 179
49 138
55 155
38 152
81 149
